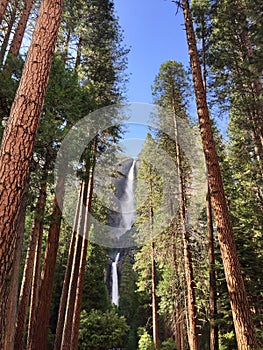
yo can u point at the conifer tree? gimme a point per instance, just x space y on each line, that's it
19 135
238 298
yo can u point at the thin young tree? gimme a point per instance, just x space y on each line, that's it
36 235
244 328
18 139
38 332
66 282
212 275
8 31
84 247
13 295
20 29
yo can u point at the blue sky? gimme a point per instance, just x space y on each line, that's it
155 34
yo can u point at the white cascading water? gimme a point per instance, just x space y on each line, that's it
127 219
127 201
115 286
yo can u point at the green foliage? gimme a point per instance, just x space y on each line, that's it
145 341
101 330
131 303
168 344
95 293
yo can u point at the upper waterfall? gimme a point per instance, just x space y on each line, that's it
127 201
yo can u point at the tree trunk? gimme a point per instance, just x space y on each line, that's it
153 272
178 313
3 5
78 57
19 135
83 258
36 232
65 54
67 330
20 29
13 296
65 289
35 286
188 265
40 320
244 328
10 25
154 299
212 276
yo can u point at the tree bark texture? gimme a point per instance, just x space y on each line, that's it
243 324
18 139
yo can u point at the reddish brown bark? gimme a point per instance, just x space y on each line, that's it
244 328
3 5
18 139
37 230
212 276
40 320
20 29
13 295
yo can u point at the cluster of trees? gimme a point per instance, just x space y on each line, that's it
196 282
182 289
75 65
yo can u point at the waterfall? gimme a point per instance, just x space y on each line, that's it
127 201
115 286
126 221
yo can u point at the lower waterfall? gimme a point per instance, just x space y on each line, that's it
115 282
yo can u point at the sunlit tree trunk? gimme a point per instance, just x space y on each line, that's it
68 320
65 288
154 297
244 328
19 135
28 268
8 32
83 258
